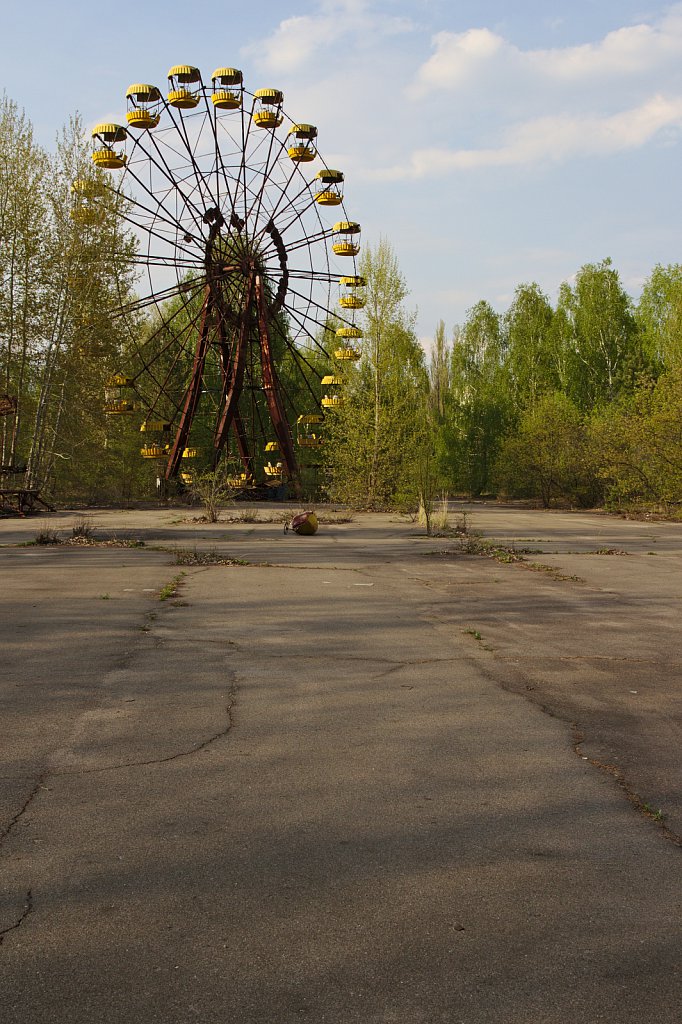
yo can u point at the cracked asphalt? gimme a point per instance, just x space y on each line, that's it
368 779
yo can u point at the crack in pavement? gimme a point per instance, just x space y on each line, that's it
28 907
588 658
57 773
579 739
62 773
616 773
42 777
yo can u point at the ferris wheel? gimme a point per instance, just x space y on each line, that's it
246 260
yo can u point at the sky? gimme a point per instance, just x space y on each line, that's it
492 143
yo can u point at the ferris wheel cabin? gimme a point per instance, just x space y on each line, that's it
330 194
117 396
268 109
184 82
300 143
104 138
144 106
352 292
347 336
346 238
84 210
333 383
157 442
227 88
306 430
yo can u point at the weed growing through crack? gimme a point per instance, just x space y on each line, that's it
479 639
553 572
82 528
191 556
46 535
657 815
171 587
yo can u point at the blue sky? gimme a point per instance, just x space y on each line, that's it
491 142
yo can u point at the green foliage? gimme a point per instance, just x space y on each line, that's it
659 315
599 343
547 457
531 361
376 437
215 487
479 408
638 443
62 258
560 403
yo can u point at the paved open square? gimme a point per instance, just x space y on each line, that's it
364 777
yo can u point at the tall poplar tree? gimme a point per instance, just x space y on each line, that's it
533 370
480 397
601 340
375 438
659 315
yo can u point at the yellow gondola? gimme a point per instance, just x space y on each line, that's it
227 88
84 191
155 447
330 194
334 400
154 451
300 147
349 332
352 292
181 78
117 402
119 407
268 112
346 238
104 137
190 453
88 187
273 471
307 437
155 427
144 106
272 446
348 352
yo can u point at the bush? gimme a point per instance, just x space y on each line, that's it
549 457
638 444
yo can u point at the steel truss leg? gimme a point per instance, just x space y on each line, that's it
272 395
233 383
193 391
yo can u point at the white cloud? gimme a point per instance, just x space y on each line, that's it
461 57
293 42
303 37
458 56
551 139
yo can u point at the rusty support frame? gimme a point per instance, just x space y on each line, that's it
272 392
193 392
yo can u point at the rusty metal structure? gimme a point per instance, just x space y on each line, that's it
238 268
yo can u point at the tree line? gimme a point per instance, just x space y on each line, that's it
59 274
577 401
